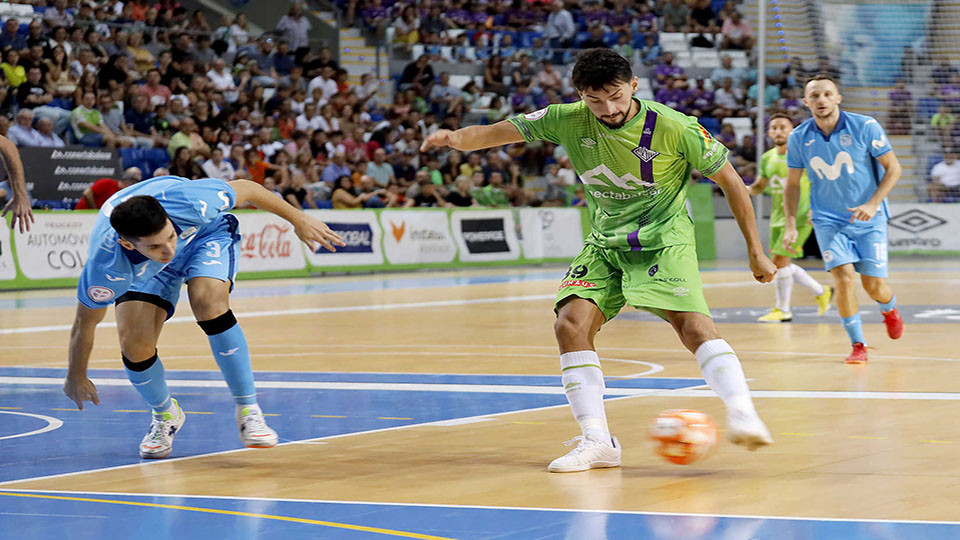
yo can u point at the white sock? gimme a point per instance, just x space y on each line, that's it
783 283
804 279
583 383
721 368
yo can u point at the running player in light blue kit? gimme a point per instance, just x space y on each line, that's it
148 239
852 168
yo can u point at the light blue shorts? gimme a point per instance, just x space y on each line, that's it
865 248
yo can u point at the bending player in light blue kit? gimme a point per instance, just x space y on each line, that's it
148 239
852 168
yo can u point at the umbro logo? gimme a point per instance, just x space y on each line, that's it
230 352
645 154
588 142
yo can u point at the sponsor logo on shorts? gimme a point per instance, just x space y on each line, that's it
577 283
99 294
653 270
681 291
827 256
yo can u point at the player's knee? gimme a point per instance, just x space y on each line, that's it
843 279
136 349
873 286
568 325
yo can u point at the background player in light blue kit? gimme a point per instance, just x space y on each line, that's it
852 168
148 239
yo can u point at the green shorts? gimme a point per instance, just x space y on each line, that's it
658 281
776 241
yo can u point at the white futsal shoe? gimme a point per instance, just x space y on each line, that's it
254 431
158 442
748 430
589 454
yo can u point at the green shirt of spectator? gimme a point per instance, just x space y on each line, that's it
490 196
83 114
943 120
179 140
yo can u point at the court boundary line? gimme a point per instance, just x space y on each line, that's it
299 441
489 507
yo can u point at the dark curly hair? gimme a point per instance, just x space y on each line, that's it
598 68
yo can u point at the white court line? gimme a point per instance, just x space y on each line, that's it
341 309
52 424
507 389
485 507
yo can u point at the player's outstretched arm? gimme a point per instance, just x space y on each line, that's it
311 231
77 386
758 186
791 201
736 193
866 211
20 202
474 137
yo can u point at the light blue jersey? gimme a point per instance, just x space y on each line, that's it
206 245
843 170
844 173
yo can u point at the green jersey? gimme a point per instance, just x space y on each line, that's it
635 176
773 167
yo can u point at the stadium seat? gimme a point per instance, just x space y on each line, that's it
673 42
710 124
459 81
741 127
683 59
739 58
446 53
705 58
417 51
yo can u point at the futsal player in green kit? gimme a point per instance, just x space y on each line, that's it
635 158
771 180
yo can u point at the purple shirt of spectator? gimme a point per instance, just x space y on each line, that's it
901 96
595 17
792 104
673 98
520 100
478 17
645 22
702 100
950 92
374 13
669 71
459 16
618 19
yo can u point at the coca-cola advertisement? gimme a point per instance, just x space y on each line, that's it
268 243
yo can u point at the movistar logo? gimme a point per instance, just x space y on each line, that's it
832 172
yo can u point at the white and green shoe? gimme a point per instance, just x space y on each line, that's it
254 431
158 442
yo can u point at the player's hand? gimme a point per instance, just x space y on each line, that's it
80 390
20 206
789 238
864 212
441 138
763 268
313 231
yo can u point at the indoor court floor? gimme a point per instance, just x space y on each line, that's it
428 405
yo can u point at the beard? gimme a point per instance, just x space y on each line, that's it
616 125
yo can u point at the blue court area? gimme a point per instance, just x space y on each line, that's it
80 516
42 433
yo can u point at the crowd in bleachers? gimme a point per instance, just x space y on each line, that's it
178 94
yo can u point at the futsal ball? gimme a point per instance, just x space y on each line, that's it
683 436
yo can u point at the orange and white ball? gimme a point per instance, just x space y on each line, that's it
683 436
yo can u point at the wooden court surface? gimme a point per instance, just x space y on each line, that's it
877 441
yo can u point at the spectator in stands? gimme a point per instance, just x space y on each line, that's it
460 196
9 37
429 194
736 33
901 110
943 72
33 93
702 19
87 123
624 47
666 69
444 96
729 99
675 14
104 188
58 15
217 167
380 170
560 28
491 194
700 101
21 133
651 52
113 120
407 27
157 93
187 136
183 164
596 38
47 136
336 168
771 93
13 72
945 178
295 28
418 75
727 70
344 198
142 58
943 123
493 77
295 193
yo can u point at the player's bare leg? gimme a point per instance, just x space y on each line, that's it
210 302
139 324
722 370
578 321
880 291
844 282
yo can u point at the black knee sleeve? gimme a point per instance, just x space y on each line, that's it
219 325
140 366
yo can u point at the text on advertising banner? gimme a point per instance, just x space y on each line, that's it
55 174
551 233
267 243
361 232
485 235
412 237
924 227
56 246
